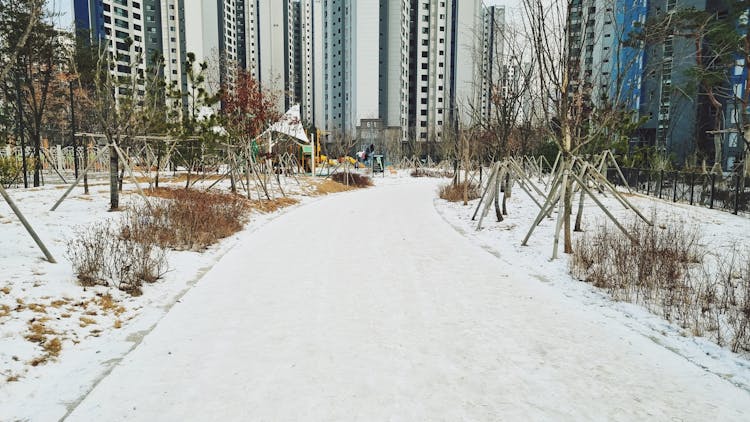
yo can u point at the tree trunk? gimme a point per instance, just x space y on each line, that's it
499 181
114 192
568 208
506 192
567 147
85 165
579 216
37 157
158 165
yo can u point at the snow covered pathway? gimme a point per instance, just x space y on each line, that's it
382 311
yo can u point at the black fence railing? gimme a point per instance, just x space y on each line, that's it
729 193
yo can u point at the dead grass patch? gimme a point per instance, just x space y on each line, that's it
39 360
329 186
5 290
4 310
58 303
272 205
86 321
38 331
454 192
37 307
53 346
106 302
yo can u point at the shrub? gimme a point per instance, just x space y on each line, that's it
187 220
128 252
658 263
352 179
454 192
102 256
10 171
667 272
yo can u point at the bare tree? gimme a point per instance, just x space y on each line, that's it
577 108
116 99
17 20
505 83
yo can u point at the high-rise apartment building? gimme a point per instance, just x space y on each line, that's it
654 80
423 55
493 69
165 35
676 122
412 65
121 24
279 49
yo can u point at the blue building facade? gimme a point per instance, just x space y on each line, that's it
629 57
89 17
731 140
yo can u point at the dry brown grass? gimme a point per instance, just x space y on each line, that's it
5 290
117 324
53 346
328 186
106 302
4 310
59 303
86 321
51 349
38 331
191 220
272 205
455 192
37 307
668 272
39 360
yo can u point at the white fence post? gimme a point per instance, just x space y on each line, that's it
59 158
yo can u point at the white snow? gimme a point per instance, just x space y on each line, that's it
376 304
89 351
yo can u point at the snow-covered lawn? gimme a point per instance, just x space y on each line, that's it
57 338
719 233
97 327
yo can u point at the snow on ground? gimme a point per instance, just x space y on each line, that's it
720 232
96 326
379 273
382 311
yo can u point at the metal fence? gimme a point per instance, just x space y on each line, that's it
727 193
62 158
